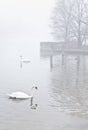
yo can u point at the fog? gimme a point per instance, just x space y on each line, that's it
62 79
23 25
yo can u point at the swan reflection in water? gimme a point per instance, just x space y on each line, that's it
32 105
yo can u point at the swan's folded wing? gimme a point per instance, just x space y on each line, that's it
19 95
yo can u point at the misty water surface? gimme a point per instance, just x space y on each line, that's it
61 96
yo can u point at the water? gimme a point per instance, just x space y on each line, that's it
62 96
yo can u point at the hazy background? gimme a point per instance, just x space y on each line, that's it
23 24
63 89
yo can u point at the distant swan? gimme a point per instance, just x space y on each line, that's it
24 60
21 95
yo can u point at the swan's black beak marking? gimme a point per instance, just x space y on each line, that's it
36 88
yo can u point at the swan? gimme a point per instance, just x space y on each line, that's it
21 95
24 60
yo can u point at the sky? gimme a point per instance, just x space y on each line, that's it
23 25
24 18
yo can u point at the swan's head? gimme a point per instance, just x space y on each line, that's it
35 87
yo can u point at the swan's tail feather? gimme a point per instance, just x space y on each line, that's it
11 96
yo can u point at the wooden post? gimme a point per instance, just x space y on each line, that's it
63 58
51 61
78 62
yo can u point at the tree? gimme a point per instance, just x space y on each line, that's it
70 20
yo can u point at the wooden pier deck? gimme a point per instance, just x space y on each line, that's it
51 49
54 48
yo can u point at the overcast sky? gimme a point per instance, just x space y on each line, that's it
23 24
24 17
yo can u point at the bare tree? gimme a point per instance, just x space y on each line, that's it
70 20
80 21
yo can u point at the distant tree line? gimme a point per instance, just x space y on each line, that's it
70 21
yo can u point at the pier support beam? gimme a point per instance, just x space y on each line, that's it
63 58
51 61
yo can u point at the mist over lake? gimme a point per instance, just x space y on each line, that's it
60 102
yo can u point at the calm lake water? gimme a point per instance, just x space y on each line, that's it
61 98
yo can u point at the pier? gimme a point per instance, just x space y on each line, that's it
51 49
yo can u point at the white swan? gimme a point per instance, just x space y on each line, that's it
24 60
21 95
